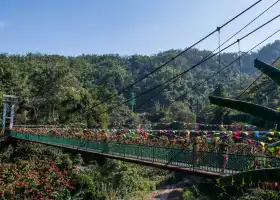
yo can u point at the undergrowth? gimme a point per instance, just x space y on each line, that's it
114 180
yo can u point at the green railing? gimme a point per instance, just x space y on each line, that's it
183 158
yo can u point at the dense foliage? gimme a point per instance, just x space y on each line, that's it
34 171
33 179
251 108
57 89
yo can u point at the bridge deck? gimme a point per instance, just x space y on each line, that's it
207 164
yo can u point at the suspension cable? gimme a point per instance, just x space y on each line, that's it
245 90
219 43
183 149
191 68
239 62
173 58
258 16
228 65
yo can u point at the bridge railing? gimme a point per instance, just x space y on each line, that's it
214 162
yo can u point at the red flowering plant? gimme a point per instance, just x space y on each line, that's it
33 180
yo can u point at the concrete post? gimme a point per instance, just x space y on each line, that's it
5 105
12 115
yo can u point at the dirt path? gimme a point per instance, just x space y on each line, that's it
173 193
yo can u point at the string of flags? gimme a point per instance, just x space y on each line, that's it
269 139
260 137
256 133
183 132
183 123
186 125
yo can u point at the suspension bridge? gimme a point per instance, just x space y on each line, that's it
203 163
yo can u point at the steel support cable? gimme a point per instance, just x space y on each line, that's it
239 43
256 79
258 16
269 92
241 57
194 66
239 62
226 66
172 80
183 149
248 24
173 58
219 45
266 93
246 89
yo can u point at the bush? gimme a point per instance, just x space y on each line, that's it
259 194
35 179
188 195
39 171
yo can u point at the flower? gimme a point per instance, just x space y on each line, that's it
33 178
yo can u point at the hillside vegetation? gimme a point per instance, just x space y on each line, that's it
56 89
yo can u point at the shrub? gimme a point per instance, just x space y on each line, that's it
33 180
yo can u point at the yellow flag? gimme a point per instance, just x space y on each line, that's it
218 181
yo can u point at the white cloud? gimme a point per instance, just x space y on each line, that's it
2 24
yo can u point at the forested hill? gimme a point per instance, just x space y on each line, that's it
59 89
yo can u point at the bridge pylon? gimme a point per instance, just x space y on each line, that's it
9 102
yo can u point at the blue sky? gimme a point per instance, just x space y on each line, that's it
73 27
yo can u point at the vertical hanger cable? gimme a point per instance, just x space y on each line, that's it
239 62
219 41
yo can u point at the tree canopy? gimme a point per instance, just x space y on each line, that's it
57 89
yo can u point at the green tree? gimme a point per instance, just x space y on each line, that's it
218 113
179 111
250 108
